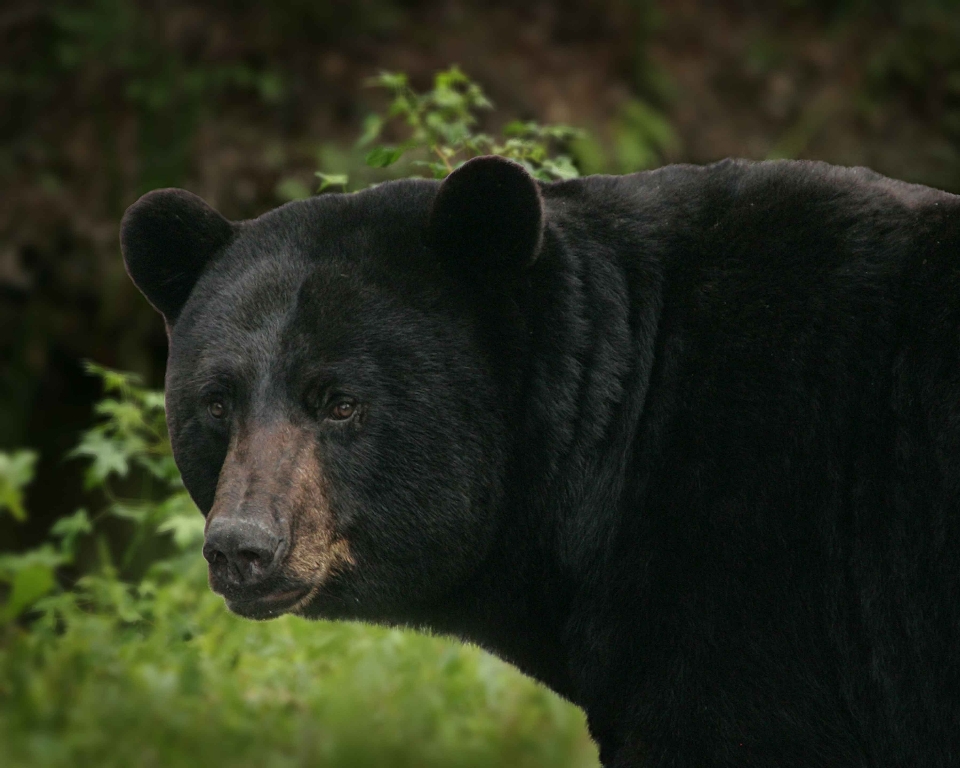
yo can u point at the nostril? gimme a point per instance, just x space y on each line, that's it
212 555
251 558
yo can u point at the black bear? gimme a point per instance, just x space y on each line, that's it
684 445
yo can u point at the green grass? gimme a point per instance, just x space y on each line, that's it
163 675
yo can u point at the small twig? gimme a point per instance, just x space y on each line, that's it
443 157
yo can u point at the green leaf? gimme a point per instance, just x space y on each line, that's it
291 188
126 415
449 78
328 180
561 167
113 381
516 128
29 585
562 132
643 135
478 98
449 98
108 455
402 105
153 400
187 531
437 170
372 126
69 529
381 157
161 467
391 80
136 512
45 555
16 472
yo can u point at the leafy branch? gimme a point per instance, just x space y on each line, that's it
441 131
130 438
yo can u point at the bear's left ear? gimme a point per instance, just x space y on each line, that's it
167 237
488 215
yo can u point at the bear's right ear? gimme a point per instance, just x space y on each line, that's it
167 237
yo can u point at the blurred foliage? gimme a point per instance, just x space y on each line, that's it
920 61
795 141
116 42
16 472
123 670
440 132
442 121
911 55
649 79
643 136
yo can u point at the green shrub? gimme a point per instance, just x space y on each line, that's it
435 132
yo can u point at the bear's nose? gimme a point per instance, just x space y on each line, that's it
240 551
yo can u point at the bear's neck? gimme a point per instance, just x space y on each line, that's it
592 317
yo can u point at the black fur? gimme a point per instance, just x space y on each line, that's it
168 236
489 212
696 465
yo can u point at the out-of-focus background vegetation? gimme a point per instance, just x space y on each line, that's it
111 650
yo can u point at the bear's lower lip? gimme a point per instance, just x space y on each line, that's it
268 606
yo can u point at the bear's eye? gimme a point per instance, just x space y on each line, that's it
342 408
217 409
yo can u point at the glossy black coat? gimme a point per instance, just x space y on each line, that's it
684 445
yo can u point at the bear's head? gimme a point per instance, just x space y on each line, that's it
342 383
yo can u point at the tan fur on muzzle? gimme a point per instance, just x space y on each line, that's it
274 474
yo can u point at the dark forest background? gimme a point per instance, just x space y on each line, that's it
113 652
242 101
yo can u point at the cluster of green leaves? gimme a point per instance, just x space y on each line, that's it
128 446
441 131
131 439
129 666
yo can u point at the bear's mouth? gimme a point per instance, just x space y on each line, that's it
271 606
